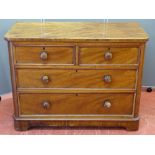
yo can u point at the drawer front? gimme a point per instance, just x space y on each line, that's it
100 55
110 104
70 78
50 55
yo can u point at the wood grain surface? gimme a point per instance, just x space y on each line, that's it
32 104
96 55
55 55
77 31
70 78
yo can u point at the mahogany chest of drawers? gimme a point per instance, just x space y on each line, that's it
76 74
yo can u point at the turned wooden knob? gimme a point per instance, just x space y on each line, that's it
43 55
46 104
108 56
107 78
45 79
107 104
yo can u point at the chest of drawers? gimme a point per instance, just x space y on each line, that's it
76 74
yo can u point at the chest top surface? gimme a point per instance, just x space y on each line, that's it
76 31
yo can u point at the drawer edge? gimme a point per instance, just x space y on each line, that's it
72 66
72 90
80 117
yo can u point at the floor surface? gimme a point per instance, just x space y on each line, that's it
147 121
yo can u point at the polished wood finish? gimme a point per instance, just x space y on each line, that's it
129 124
54 55
70 78
97 55
33 104
76 74
77 31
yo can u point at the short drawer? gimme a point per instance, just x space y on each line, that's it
102 104
42 55
70 78
100 55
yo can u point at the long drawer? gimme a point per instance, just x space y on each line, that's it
70 78
105 104
44 55
102 55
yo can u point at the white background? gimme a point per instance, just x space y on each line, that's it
77 145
